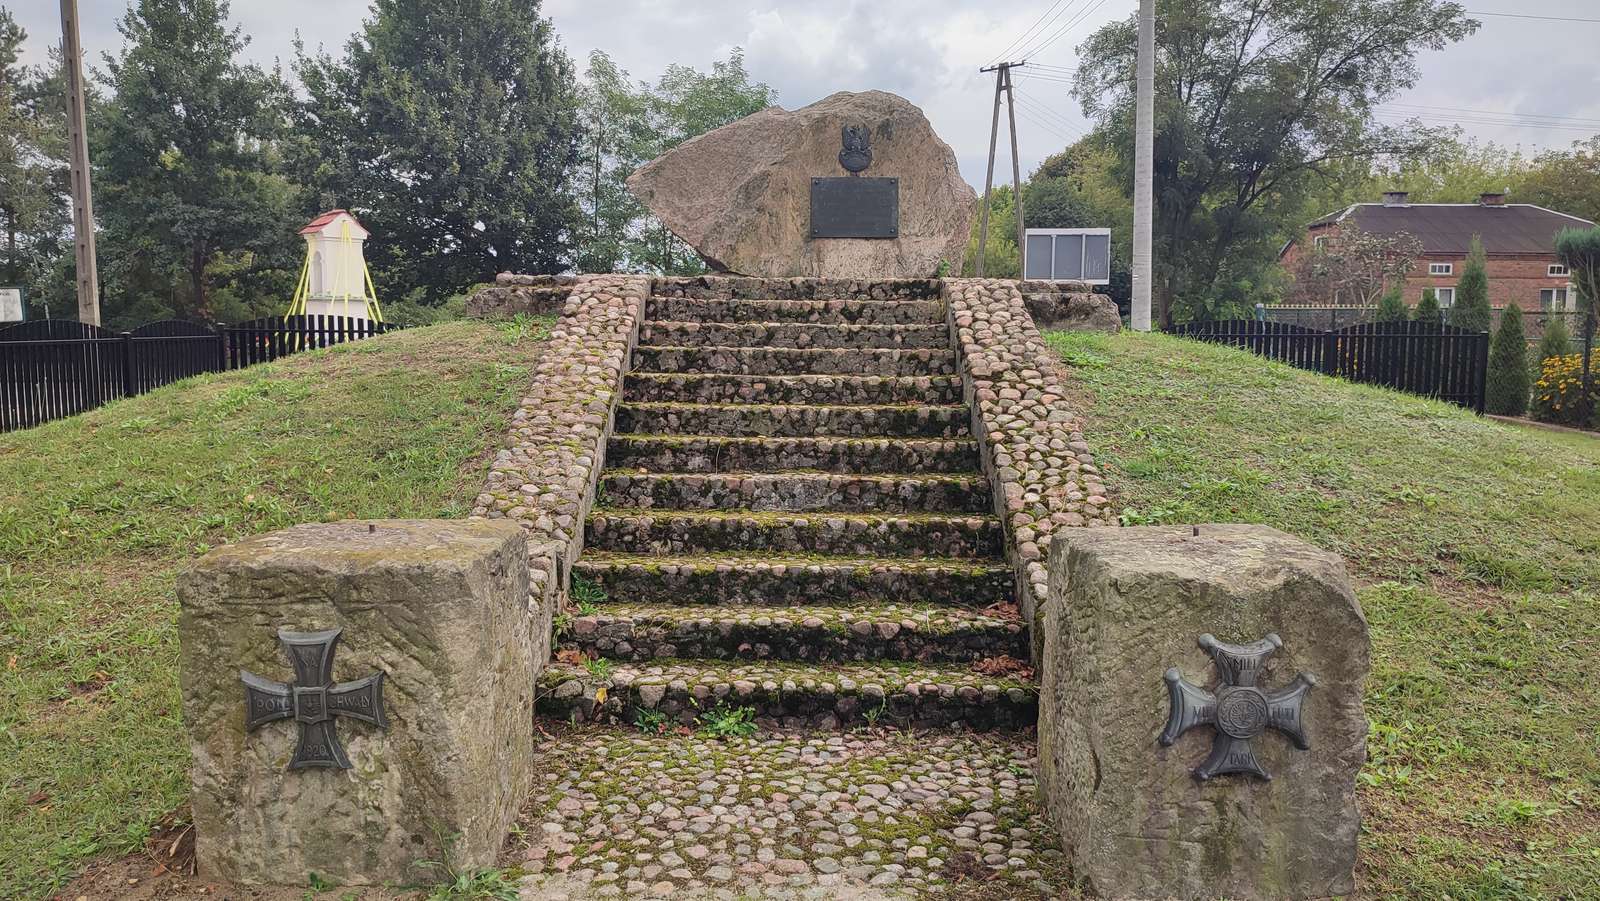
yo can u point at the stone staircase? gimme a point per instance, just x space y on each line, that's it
793 519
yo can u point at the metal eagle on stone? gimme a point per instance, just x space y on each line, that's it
857 153
1239 710
313 699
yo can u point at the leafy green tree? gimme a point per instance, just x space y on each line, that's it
1565 180
1428 308
1509 384
33 169
451 128
1256 101
1471 308
1002 258
1579 250
1392 308
185 149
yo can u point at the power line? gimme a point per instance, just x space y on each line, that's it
1060 13
1532 16
1064 29
1040 108
1011 46
1485 112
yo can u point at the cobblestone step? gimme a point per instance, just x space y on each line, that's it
640 632
796 492
790 361
720 388
636 531
792 694
793 580
823 312
667 333
794 420
714 453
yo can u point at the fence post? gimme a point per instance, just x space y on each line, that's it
127 364
222 348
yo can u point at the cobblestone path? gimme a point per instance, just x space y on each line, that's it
785 815
793 520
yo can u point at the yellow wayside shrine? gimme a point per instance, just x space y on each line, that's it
334 280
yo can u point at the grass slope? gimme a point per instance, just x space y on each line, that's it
1476 546
98 512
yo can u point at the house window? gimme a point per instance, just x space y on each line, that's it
1446 297
1319 241
1556 300
1441 268
1558 271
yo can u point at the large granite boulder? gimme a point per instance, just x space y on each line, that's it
741 195
1221 801
428 754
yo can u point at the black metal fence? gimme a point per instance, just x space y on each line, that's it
53 368
1416 357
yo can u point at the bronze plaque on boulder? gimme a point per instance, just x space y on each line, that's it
855 207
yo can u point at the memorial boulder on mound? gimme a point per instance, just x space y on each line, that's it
852 186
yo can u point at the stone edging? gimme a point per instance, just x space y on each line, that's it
545 476
1031 443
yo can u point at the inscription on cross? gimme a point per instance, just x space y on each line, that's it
312 700
1239 709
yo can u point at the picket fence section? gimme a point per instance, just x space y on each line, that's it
1440 361
52 368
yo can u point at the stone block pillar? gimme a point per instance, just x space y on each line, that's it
400 733
1200 718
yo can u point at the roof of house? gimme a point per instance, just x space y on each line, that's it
1449 227
321 222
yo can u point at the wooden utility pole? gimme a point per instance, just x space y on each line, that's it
1002 85
77 136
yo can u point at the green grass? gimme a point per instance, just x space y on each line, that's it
98 512
1476 548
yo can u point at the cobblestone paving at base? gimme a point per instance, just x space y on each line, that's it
786 815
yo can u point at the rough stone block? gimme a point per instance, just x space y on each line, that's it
439 607
1126 605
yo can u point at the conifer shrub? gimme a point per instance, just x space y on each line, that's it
1428 309
1392 308
1471 310
1507 386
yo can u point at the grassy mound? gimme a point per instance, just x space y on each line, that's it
1476 546
98 512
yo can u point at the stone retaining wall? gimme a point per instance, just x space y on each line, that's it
1031 440
513 294
545 476
726 287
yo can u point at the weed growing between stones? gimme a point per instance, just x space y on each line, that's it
723 721
599 667
587 595
651 722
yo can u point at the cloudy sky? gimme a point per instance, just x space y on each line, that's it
1522 79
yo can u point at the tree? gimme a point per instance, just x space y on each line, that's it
33 210
1509 383
450 127
1579 250
1471 308
1257 101
1393 307
1565 180
1428 308
1354 266
186 155
1556 340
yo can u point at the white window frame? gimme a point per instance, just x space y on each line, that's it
1445 296
1319 241
1441 268
1557 270
1085 233
1561 300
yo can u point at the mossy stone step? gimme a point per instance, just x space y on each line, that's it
723 388
795 420
794 580
817 634
796 492
792 361
671 333
716 453
793 695
638 531
824 312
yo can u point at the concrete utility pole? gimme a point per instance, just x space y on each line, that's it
1002 85
77 135
1144 166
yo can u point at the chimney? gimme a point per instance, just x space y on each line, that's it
1492 198
1395 198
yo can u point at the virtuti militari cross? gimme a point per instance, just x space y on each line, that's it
313 700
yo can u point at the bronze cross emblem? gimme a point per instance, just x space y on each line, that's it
1239 710
312 699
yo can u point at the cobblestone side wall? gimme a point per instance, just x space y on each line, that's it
513 294
545 475
726 287
1031 442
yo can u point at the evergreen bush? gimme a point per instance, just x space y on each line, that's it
1508 385
1428 309
1557 341
1471 310
1392 308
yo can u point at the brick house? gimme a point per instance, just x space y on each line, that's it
1518 241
